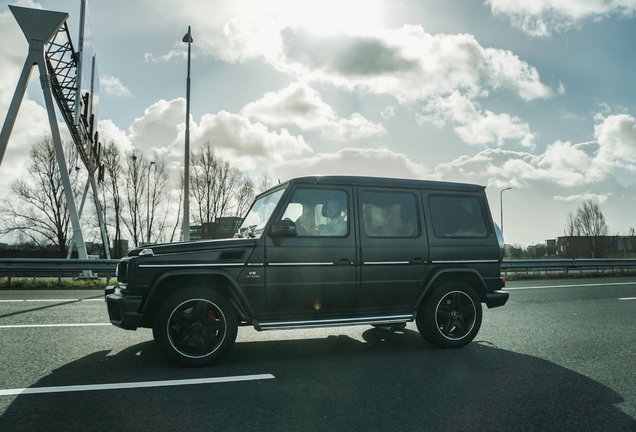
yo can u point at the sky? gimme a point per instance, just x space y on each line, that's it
535 95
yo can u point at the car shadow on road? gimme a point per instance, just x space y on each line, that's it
383 381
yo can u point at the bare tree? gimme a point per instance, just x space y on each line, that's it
113 168
264 181
178 221
135 186
589 223
213 183
570 225
159 198
40 211
244 196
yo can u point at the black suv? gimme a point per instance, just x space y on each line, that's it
322 251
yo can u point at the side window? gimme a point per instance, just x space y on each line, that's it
457 216
390 214
319 212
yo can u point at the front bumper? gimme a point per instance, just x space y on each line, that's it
123 309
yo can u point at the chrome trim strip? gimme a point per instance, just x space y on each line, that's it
195 265
465 262
386 262
302 264
255 264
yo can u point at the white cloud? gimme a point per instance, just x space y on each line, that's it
476 126
302 106
352 161
160 125
388 112
108 131
600 198
236 136
543 17
112 86
563 164
616 135
409 64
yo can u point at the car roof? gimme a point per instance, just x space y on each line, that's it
385 182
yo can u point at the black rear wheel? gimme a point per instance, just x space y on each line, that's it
451 317
195 327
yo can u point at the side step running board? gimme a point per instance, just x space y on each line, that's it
277 325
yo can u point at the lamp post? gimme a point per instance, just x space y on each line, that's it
148 206
501 206
186 177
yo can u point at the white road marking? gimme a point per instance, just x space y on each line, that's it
133 385
569 286
53 325
52 300
628 298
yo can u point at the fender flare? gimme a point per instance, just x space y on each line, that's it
431 281
234 287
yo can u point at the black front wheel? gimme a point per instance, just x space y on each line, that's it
451 317
195 327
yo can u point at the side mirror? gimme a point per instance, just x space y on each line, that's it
283 228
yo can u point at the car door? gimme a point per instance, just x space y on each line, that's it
394 250
313 273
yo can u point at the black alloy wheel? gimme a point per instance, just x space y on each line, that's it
195 327
451 317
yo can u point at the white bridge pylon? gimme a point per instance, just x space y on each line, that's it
39 28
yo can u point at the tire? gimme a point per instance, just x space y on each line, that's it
195 327
451 317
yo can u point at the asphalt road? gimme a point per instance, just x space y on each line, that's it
561 355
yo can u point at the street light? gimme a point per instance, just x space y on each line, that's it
148 206
186 177
501 205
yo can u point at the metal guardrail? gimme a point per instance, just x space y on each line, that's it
56 267
565 266
32 267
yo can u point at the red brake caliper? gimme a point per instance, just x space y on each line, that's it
211 317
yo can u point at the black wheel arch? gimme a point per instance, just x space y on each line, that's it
217 279
468 276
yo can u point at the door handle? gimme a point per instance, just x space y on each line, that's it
344 262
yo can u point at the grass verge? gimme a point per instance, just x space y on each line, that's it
52 283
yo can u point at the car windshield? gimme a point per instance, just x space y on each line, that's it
259 214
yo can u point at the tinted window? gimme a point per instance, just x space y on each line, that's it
319 212
455 216
389 214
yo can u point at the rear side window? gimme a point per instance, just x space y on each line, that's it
389 214
457 217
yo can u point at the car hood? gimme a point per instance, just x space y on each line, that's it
205 245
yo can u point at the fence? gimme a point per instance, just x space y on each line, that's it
566 266
57 267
